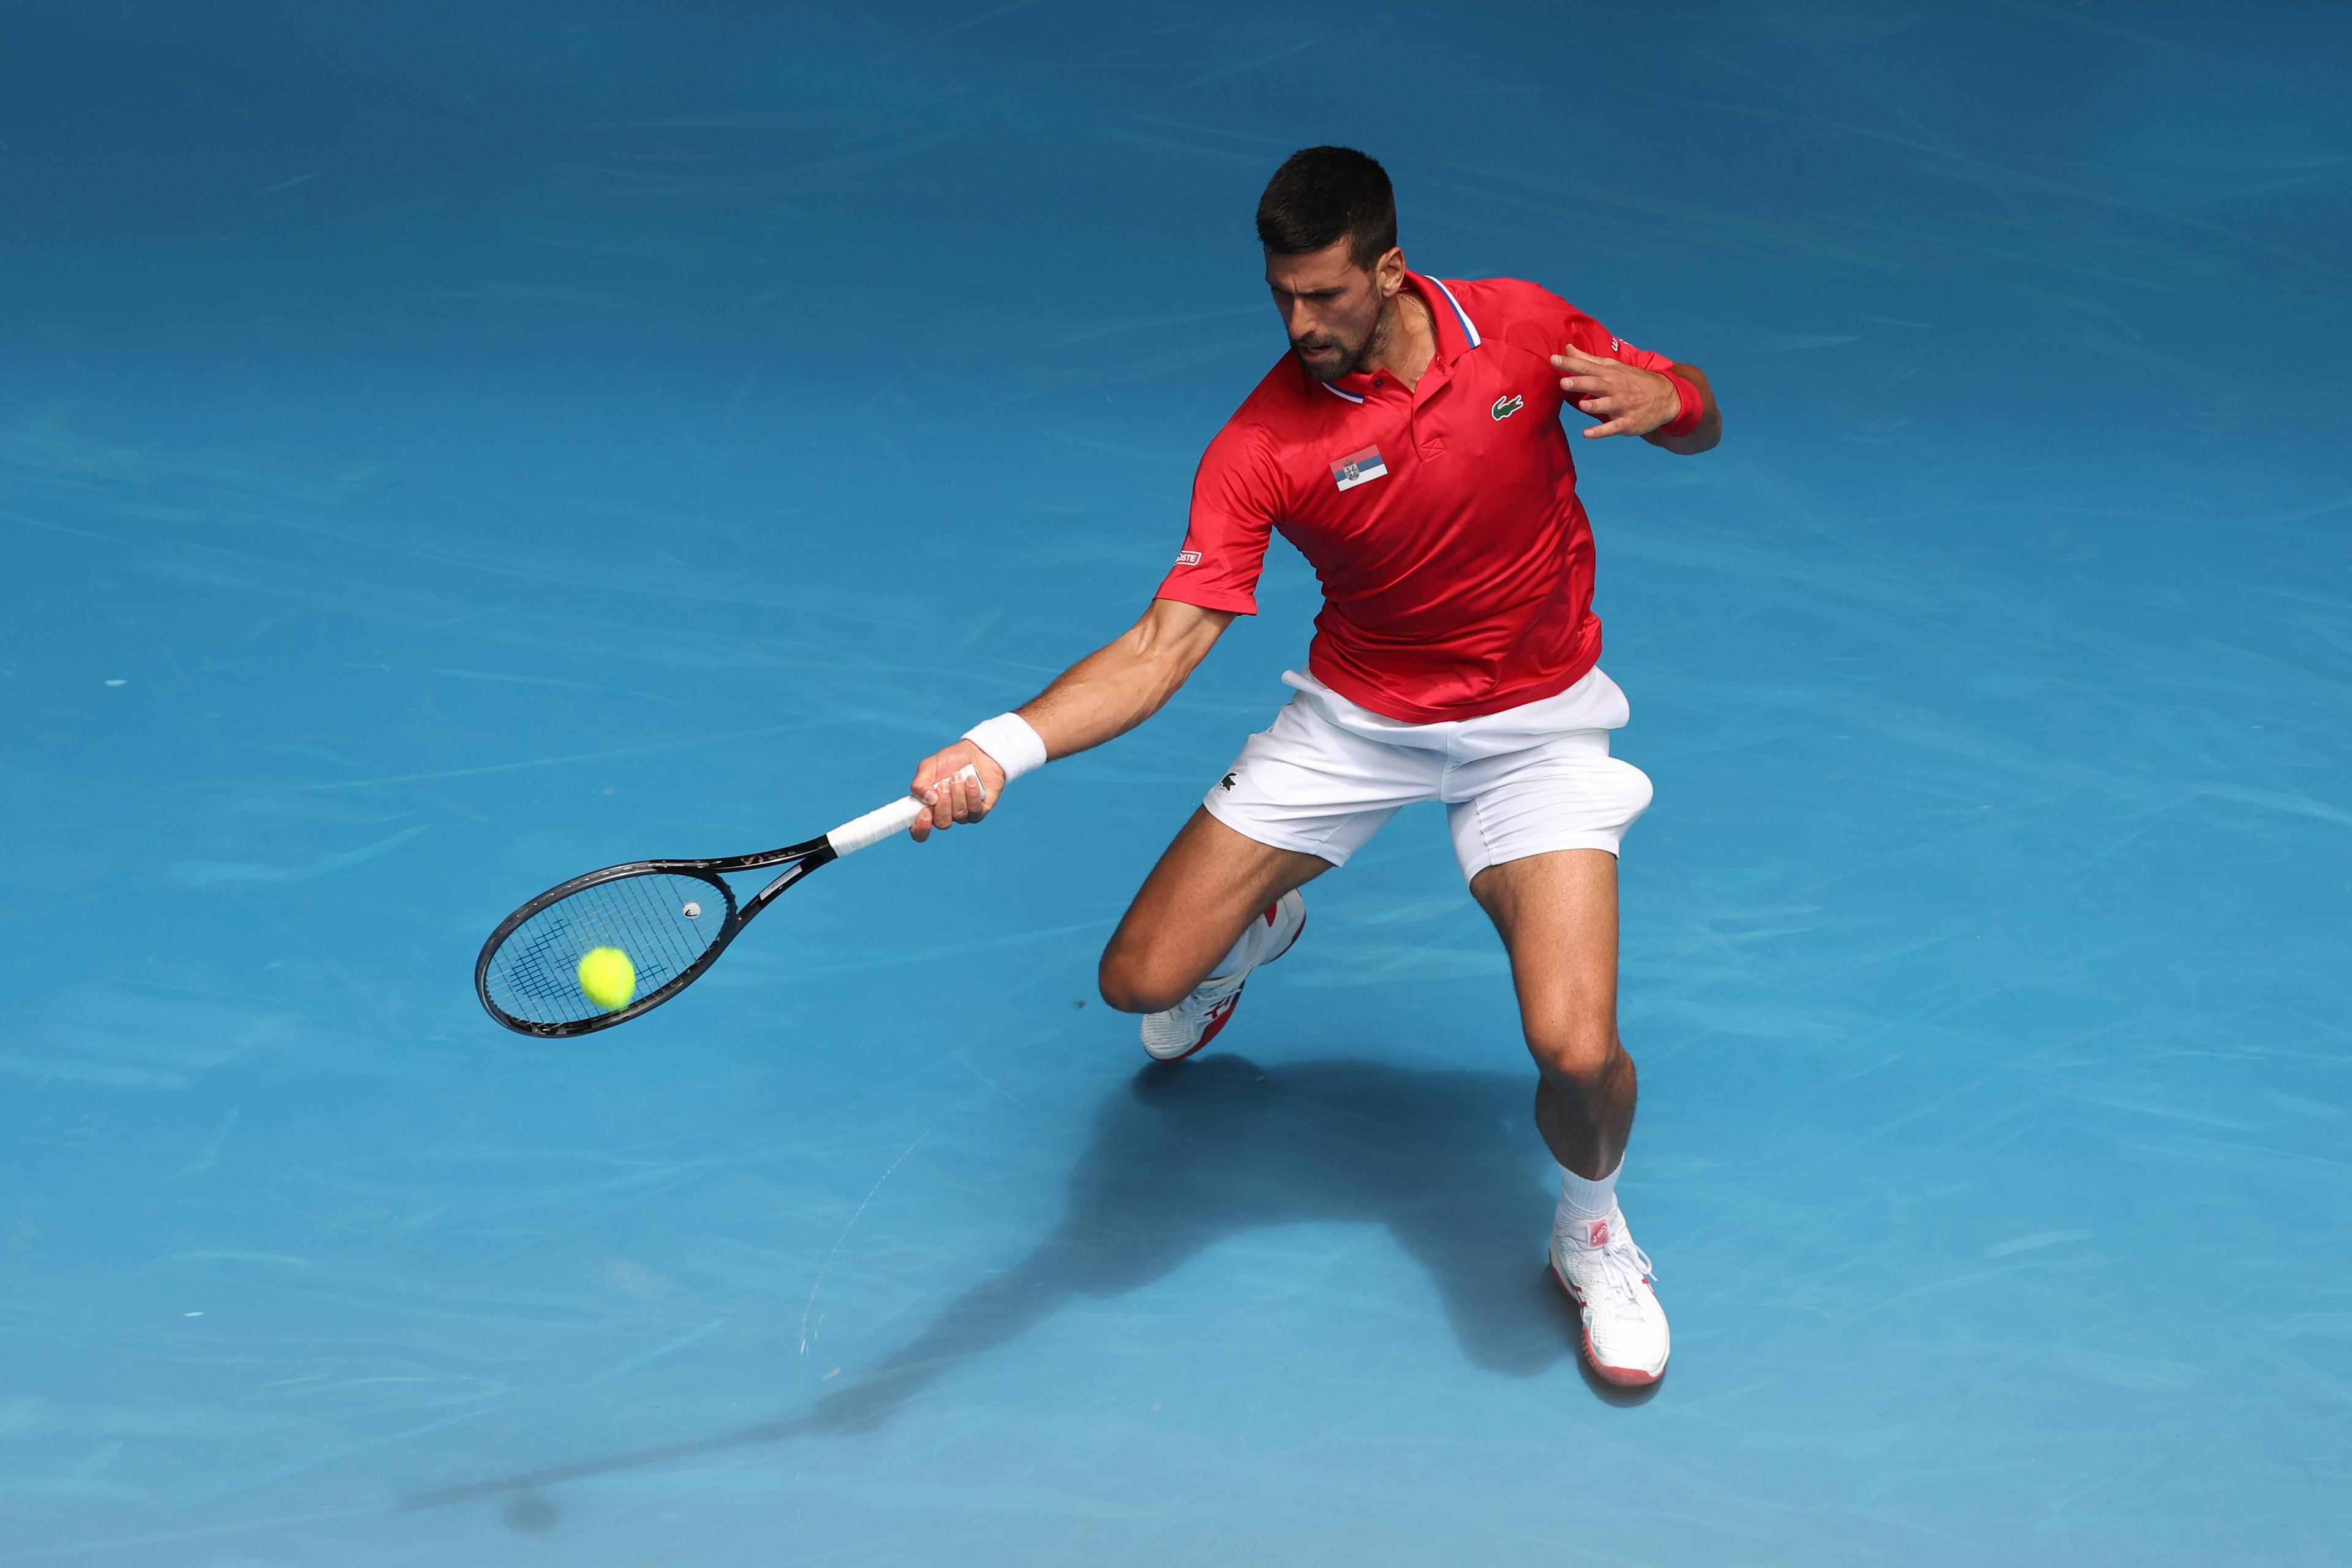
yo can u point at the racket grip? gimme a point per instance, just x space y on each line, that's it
864 832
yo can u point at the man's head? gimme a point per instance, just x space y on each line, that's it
1328 221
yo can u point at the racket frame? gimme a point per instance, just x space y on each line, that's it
798 860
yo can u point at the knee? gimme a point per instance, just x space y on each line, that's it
1131 981
1577 1054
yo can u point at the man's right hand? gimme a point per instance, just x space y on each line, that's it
939 784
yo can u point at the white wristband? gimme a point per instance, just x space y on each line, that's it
1011 742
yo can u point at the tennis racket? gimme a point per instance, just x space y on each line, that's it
671 917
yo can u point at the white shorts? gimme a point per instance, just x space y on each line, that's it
1324 776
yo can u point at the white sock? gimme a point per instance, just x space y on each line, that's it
1584 1200
1240 949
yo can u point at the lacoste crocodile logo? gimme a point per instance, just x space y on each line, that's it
1227 781
1506 406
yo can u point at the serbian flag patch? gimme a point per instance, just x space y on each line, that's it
1358 468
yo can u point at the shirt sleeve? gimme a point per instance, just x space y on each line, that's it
1236 495
1542 321
1601 344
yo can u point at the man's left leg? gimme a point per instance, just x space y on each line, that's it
1557 913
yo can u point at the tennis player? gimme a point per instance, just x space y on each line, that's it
1411 446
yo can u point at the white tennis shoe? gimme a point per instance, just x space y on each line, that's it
1597 1264
1173 1035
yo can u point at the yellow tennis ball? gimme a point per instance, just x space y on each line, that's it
608 978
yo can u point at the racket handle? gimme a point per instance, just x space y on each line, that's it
865 832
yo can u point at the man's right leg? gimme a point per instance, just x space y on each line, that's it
1201 897
1302 797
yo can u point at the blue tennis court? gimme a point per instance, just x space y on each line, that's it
448 447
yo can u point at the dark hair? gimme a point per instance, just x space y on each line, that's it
1321 194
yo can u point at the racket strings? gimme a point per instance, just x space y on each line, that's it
534 976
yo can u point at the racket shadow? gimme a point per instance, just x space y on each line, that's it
1188 1155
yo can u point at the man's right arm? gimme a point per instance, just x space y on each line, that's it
1101 696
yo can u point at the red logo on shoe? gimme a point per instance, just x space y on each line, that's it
1215 1020
1598 1234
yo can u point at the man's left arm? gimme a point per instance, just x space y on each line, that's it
1631 400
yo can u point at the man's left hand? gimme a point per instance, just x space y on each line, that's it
1625 398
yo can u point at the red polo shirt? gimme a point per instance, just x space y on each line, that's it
1455 559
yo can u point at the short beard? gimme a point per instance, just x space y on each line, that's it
1375 343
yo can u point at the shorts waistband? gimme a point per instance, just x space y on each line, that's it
1593 706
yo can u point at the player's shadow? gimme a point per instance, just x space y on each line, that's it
1194 1153
1189 1154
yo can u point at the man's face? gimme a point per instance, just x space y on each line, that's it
1331 308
